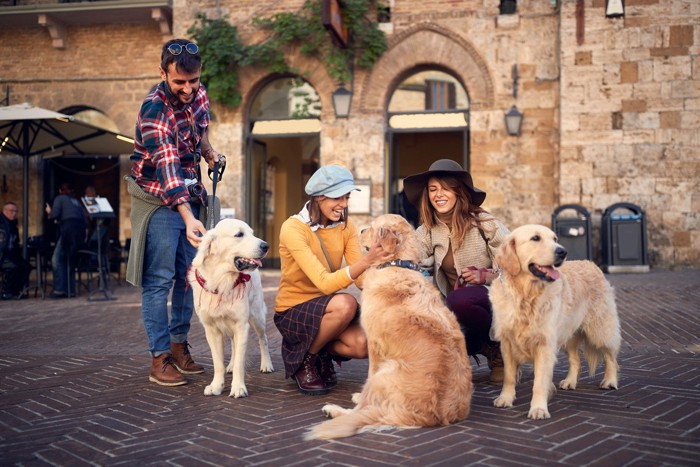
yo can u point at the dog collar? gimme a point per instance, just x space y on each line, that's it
203 283
242 279
400 263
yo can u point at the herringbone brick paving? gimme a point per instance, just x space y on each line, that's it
75 391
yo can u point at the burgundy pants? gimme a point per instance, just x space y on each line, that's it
472 308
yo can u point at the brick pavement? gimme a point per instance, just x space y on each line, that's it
74 387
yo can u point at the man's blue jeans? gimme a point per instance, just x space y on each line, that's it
167 256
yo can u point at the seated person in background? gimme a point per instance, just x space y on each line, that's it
16 268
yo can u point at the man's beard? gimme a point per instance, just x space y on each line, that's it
180 95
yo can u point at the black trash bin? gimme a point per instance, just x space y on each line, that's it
624 239
572 224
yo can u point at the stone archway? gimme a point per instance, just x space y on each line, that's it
253 80
427 45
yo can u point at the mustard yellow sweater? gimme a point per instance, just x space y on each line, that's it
304 270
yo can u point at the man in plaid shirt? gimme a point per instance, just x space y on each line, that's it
171 136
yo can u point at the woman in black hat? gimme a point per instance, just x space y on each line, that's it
462 237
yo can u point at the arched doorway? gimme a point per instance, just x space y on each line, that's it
283 145
427 120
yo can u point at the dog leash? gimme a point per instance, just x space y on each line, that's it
210 205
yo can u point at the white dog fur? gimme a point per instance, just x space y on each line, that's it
542 304
227 304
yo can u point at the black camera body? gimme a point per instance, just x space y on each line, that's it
195 189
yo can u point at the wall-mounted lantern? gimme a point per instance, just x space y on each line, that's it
341 102
514 121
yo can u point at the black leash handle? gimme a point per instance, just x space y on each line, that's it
212 202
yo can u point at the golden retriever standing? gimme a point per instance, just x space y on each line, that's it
228 299
419 374
541 304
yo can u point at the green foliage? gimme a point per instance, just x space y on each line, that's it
310 106
366 43
223 52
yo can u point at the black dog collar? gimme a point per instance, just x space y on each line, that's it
400 263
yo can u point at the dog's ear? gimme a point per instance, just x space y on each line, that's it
507 257
387 239
204 249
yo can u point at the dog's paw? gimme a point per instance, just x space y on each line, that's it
567 383
213 389
608 384
504 402
238 392
266 367
356 398
538 413
332 410
229 368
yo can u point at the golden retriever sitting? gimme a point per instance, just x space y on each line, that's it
228 299
419 374
541 304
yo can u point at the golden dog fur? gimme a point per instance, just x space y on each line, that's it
419 373
541 305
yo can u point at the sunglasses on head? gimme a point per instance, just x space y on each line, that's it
176 49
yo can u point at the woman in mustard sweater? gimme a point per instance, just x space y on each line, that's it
318 322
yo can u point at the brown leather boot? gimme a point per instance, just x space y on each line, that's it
492 352
183 360
163 371
326 369
308 380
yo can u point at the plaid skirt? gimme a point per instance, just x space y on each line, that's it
299 326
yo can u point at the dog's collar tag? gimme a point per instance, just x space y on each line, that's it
400 263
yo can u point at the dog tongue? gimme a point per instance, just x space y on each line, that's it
550 272
257 262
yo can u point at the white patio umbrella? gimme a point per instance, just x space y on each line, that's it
27 131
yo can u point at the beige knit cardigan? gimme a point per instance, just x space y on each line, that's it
473 252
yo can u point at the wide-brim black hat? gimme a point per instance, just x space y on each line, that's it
413 185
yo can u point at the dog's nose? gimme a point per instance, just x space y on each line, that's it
560 253
264 247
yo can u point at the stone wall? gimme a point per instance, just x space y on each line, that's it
612 119
518 173
630 113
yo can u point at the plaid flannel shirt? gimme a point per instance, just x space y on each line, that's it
168 136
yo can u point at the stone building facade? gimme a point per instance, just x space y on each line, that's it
611 104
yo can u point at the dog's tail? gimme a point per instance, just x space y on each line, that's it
592 355
345 425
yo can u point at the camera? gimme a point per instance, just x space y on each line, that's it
195 189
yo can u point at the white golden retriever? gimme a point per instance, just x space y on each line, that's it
542 304
419 373
228 299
